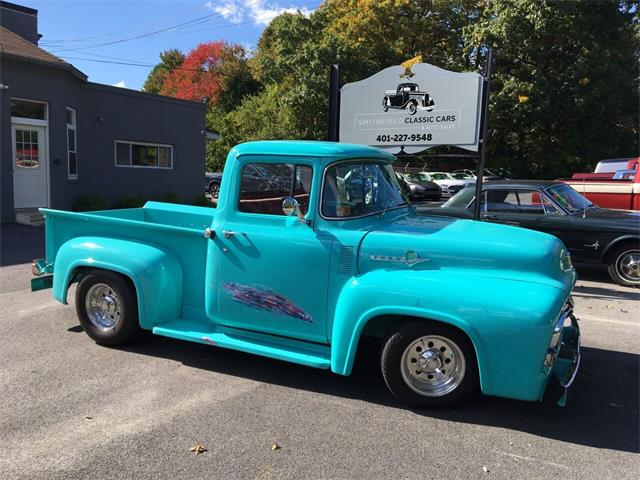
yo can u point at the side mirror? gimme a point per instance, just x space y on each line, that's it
291 207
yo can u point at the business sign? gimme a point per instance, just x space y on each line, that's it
415 108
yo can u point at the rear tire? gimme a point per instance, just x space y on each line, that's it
624 265
429 365
107 308
214 189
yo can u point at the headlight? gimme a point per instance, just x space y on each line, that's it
566 264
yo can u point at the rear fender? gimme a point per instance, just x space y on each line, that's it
155 272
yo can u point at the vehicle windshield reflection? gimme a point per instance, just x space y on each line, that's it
358 188
569 199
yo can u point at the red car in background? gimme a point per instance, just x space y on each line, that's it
615 189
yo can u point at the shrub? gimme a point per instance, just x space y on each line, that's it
130 202
202 201
88 203
169 198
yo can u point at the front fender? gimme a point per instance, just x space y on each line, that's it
509 322
154 271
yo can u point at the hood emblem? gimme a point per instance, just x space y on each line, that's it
410 258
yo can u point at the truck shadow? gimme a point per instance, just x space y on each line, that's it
602 409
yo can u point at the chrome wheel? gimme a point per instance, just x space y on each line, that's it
628 266
433 366
102 306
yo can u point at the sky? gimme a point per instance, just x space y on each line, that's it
91 33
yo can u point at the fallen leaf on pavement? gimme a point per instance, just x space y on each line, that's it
624 311
198 448
485 469
275 446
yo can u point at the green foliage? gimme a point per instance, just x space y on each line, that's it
202 201
89 203
169 61
564 89
130 202
170 197
565 86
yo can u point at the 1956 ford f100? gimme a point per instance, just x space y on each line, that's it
325 250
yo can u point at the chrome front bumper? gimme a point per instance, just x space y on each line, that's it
566 354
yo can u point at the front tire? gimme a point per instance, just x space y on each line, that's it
624 265
107 308
412 108
429 365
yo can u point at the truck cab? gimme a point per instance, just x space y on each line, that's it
327 249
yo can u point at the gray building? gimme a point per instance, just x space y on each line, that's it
62 137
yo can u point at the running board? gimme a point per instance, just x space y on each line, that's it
295 351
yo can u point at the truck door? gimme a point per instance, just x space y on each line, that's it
273 268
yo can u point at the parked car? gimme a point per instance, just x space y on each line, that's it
421 189
407 96
593 235
471 174
449 184
212 182
500 172
611 189
459 305
463 176
612 165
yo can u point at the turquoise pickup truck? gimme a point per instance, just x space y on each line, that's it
312 246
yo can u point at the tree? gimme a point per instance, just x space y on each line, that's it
565 87
196 78
169 61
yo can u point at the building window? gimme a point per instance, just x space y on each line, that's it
28 109
72 151
143 155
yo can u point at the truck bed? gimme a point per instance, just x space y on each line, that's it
177 228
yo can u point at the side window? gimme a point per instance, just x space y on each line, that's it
549 207
501 201
265 185
514 201
529 202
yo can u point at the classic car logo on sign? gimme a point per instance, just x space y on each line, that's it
407 96
410 258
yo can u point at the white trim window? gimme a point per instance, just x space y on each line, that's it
72 145
29 112
143 155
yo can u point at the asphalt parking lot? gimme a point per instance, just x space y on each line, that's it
72 409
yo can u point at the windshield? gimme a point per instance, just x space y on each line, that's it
425 177
440 176
357 188
461 199
568 198
460 176
413 177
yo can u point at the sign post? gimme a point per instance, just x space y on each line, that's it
483 139
334 103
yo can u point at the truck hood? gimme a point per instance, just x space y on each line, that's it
475 248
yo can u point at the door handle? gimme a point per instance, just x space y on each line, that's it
231 233
490 217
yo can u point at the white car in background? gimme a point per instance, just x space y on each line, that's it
449 184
